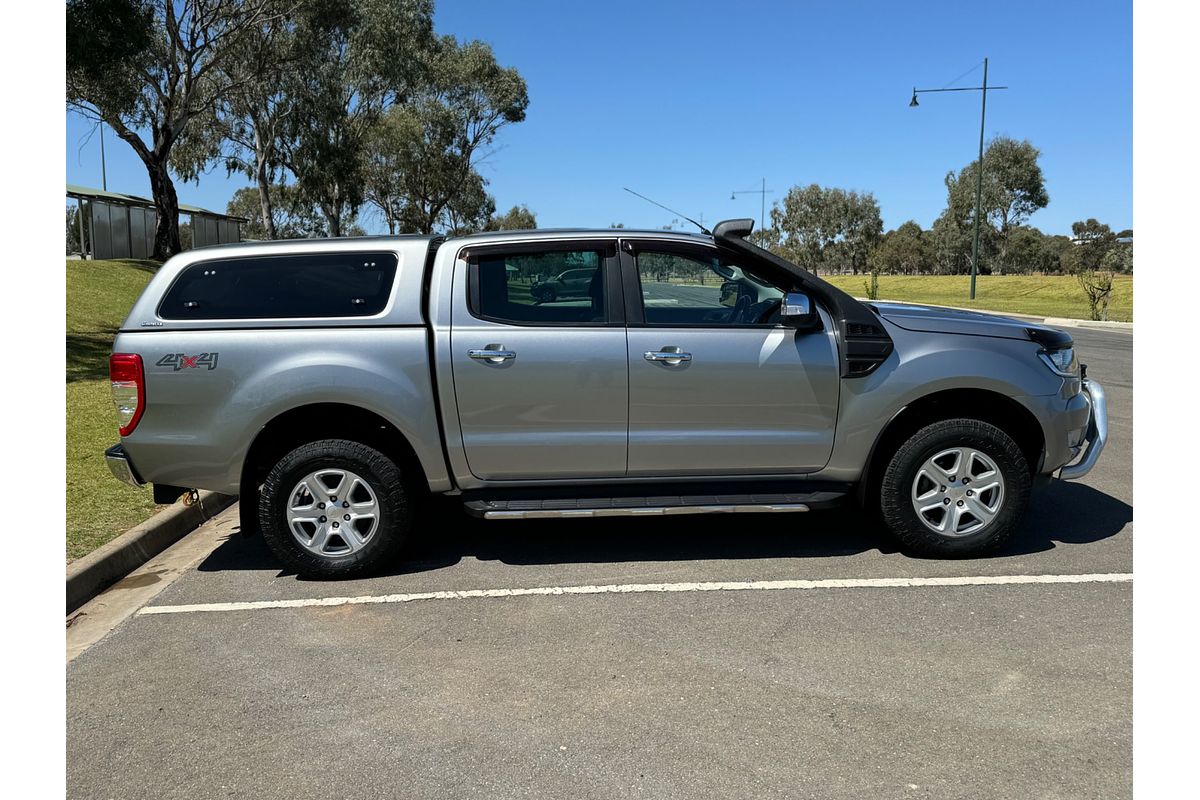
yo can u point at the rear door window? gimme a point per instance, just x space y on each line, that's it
564 287
350 284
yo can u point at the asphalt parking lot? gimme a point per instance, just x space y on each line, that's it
991 688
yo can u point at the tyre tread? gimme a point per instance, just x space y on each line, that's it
388 485
895 488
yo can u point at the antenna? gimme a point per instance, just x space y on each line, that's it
673 211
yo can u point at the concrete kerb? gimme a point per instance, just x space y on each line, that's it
92 574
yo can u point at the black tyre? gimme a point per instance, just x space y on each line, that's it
956 488
546 294
335 509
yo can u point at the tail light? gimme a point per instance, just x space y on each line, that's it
128 389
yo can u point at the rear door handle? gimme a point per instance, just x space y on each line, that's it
493 354
668 355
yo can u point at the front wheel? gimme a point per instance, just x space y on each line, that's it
956 488
334 508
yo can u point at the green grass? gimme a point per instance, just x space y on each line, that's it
1037 295
99 507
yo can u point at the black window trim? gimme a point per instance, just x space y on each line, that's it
614 307
250 322
635 310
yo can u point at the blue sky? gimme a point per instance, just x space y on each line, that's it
686 102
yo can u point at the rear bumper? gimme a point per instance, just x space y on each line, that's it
1096 436
121 467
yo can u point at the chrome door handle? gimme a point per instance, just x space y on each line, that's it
492 356
668 355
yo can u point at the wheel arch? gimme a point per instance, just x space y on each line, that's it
982 404
296 426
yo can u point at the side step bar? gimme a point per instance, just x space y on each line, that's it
560 508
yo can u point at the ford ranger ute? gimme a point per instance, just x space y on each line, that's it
333 384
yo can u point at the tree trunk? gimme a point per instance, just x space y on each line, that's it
332 218
162 188
166 203
264 197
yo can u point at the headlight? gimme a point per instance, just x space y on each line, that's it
1061 361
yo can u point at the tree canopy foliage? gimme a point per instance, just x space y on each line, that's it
290 217
1013 189
907 250
826 228
517 218
327 106
422 172
150 69
832 229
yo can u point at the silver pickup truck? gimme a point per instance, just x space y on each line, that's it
333 384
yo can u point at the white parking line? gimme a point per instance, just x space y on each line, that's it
645 588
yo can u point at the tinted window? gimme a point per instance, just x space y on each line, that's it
321 285
564 287
696 289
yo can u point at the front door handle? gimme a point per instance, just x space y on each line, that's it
493 354
668 355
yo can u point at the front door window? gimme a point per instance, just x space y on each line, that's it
691 289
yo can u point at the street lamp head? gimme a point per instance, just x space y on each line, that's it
914 102
733 195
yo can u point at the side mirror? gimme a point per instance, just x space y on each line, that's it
729 294
798 311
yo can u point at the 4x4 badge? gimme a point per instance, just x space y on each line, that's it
178 361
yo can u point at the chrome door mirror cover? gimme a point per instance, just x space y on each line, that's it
797 311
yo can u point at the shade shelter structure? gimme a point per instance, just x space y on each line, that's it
122 225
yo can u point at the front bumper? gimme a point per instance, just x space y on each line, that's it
121 467
1096 436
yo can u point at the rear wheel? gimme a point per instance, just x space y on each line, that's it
334 508
955 488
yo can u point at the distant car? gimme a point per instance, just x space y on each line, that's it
571 284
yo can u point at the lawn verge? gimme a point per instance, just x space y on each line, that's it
1032 295
99 508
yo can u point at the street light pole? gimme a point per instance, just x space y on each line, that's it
979 164
762 209
979 184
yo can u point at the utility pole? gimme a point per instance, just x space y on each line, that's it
979 184
979 164
762 211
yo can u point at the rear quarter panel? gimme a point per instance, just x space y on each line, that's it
201 417
200 421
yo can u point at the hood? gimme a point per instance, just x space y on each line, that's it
931 319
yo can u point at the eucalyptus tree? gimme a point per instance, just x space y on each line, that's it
1013 189
360 58
422 164
150 69
291 219
517 218
250 120
907 250
827 226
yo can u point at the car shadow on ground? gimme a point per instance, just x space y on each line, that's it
1061 513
